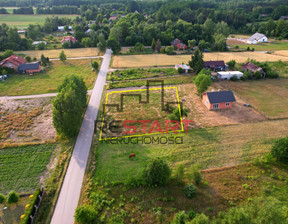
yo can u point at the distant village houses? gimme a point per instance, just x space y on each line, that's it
62 28
284 17
257 38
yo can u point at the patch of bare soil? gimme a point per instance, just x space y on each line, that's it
202 117
234 41
26 121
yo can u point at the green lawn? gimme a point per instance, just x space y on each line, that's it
277 46
22 21
48 81
209 148
21 168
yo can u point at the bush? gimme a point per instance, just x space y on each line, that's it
195 176
86 214
190 191
175 116
28 58
280 150
231 63
200 219
180 70
2 198
257 75
12 197
247 75
157 173
234 78
272 75
179 218
179 173
191 214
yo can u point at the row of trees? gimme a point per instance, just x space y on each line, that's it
62 9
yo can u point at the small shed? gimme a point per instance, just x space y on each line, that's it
257 38
218 100
185 68
228 75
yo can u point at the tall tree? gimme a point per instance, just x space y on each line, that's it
153 45
101 42
158 45
69 106
197 62
62 56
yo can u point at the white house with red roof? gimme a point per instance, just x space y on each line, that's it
68 39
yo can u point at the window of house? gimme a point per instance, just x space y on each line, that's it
206 101
227 104
215 106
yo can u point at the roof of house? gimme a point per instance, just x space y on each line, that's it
221 96
250 66
214 63
284 17
183 66
29 66
113 17
256 37
68 38
175 42
14 59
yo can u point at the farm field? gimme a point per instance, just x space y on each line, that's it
70 53
22 21
277 46
269 96
21 167
48 81
206 147
130 61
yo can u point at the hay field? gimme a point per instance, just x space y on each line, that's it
70 53
129 61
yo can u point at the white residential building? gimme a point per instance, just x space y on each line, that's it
257 38
228 75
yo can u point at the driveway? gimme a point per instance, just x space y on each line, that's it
70 191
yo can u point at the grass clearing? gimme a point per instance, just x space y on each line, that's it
70 53
22 21
207 147
49 80
277 46
138 83
268 96
130 61
21 168
141 73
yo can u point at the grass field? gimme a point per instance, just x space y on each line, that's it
21 168
48 81
208 147
10 9
137 83
130 61
22 21
70 53
277 46
269 96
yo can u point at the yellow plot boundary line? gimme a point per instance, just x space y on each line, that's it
128 136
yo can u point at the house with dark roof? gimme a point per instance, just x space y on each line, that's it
252 68
218 100
284 17
29 68
12 62
215 65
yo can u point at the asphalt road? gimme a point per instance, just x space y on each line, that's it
70 191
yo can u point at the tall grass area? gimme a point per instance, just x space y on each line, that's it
140 73
208 148
21 167
49 80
